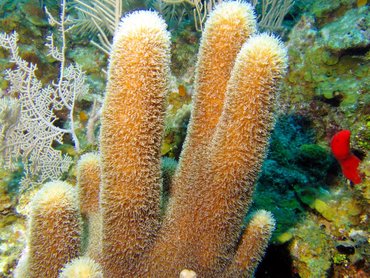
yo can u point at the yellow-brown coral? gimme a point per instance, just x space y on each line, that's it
88 182
82 267
131 133
237 77
54 231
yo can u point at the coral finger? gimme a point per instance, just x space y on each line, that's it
82 267
55 229
227 28
252 246
132 127
238 148
88 180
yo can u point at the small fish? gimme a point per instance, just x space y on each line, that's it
361 3
340 147
84 116
182 90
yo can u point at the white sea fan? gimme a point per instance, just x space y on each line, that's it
27 112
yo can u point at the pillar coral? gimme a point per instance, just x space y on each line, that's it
54 233
236 79
235 87
82 267
131 133
88 183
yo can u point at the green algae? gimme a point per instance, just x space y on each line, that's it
311 213
340 258
292 174
350 31
329 77
176 120
313 249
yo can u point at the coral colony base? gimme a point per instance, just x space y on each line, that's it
119 190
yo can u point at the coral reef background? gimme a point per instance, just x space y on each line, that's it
322 220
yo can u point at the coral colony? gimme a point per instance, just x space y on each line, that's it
119 189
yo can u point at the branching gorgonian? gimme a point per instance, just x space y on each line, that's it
28 120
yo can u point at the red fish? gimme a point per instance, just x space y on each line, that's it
340 147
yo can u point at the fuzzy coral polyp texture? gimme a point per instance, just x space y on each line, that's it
340 147
200 232
232 115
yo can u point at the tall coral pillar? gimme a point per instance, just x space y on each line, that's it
88 181
54 230
228 27
201 228
251 246
238 147
132 127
